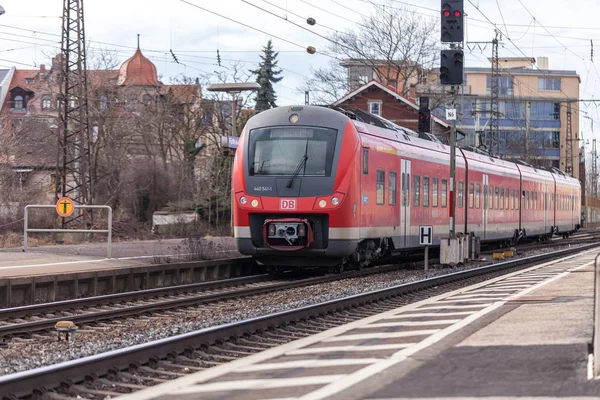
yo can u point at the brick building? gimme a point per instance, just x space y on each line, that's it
133 115
377 99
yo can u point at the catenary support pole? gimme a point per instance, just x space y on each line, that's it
452 209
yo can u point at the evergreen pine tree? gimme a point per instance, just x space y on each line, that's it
266 75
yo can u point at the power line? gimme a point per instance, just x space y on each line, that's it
298 25
546 29
241 23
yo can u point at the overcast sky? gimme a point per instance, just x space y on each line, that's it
30 29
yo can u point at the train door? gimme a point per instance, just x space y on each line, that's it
546 209
485 204
572 208
405 202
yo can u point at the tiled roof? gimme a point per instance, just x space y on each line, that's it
182 93
20 79
407 101
138 70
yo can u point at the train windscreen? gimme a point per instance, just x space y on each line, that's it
299 151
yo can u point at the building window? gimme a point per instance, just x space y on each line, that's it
46 102
362 79
29 81
545 111
392 189
505 85
147 99
549 84
393 83
434 195
380 186
513 109
19 103
103 103
417 189
556 139
375 107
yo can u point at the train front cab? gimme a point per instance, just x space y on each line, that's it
294 187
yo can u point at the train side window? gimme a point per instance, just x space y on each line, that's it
392 188
417 189
491 197
507 199
425 191
434 192
502 198
460 194
471 195
366 161
444 192
477 195
380 187
527 203
512 199
497 197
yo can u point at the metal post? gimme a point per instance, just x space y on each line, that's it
426 258
233 115
453 169
596 317
109 232
25 222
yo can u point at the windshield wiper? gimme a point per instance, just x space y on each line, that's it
299 166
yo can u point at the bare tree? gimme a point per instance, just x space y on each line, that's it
393 42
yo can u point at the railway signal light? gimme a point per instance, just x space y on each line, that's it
452 21
451 67
424 120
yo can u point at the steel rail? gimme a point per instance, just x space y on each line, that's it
48 377
162 305
67 305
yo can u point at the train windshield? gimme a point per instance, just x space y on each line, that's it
300 151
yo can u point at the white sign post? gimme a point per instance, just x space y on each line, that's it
451 114
426 238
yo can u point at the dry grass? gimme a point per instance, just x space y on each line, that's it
12 240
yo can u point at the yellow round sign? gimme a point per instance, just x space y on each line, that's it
65 207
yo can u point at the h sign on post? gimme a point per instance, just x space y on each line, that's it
425 235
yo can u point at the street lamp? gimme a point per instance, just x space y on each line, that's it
234 89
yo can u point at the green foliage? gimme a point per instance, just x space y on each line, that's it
267 74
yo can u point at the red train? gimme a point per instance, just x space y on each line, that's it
315 186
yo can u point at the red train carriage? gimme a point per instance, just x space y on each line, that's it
314 187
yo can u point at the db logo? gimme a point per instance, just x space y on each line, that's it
287 204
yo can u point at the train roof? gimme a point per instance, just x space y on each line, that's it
376 125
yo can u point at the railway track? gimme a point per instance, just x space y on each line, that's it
43 317
140 366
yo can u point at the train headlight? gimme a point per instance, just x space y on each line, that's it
254 203
243 200
322 203
335 201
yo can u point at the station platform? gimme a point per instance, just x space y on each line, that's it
523 335
75 258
